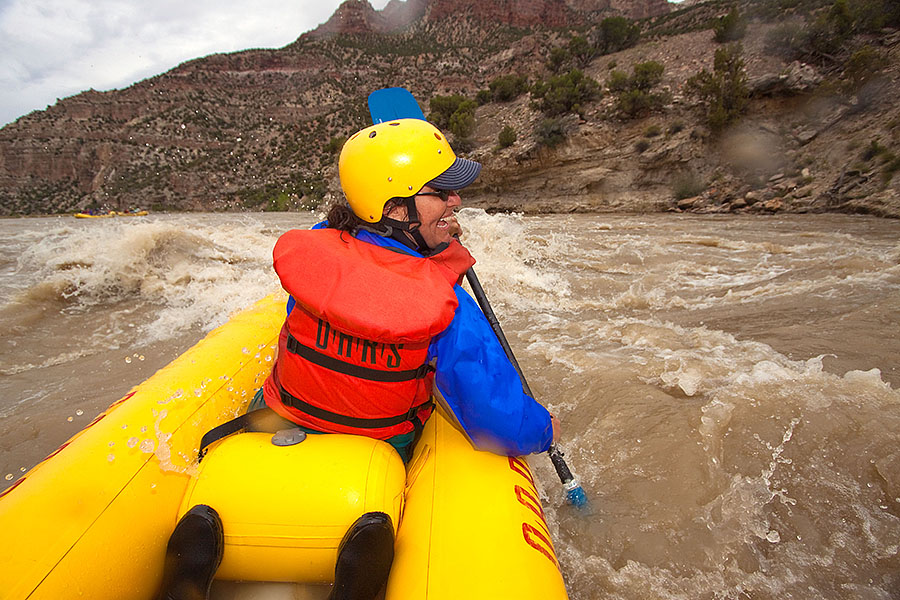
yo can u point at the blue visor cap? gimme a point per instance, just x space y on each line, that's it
460 174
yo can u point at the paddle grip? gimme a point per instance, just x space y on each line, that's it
559 463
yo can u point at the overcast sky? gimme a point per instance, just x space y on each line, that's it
52 49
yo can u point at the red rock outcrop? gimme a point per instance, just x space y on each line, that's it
518 13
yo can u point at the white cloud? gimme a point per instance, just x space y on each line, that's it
52 49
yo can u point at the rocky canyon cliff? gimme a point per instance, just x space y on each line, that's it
261 129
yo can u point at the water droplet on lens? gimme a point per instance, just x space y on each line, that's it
9 476
128 359
132 442
79 412
70 419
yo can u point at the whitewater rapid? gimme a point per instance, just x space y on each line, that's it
727 385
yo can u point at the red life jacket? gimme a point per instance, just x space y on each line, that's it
352 353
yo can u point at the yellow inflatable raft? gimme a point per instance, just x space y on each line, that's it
93 519
112 213
108 215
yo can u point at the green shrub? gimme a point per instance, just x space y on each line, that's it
641 145
724 91
335 144
464 145
825 37
462 121
873 15
872 150
558 58
633 103
581 51
550 132
455 114
787 40
507 87
442 108
730 28
675 127
687 185
652 131
565 93
617 81
617 33
827 34
646 75
890 169
507 137
633 94
863 65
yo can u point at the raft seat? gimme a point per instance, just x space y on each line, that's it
285 509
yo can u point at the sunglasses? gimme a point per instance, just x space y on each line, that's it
444 195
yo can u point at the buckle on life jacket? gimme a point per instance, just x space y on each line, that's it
413 414
424 370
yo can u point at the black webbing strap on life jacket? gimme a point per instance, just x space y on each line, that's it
262 419
358 422
360 372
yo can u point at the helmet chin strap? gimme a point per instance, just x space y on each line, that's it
398 230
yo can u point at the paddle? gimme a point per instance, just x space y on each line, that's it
398 103
388 104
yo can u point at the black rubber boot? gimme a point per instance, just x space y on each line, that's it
193 554
364 558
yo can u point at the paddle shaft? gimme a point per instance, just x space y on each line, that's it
559 463
481 297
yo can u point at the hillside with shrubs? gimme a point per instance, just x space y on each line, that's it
721 106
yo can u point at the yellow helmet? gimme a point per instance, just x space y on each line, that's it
395 160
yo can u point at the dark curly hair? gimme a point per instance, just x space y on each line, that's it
341 217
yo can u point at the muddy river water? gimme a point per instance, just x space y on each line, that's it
727 386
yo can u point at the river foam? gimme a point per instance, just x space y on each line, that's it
727 387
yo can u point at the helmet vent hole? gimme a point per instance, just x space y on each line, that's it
394 124
373 134
437 136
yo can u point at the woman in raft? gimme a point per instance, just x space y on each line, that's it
377 326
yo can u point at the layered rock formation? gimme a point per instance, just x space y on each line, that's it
261 129
237 130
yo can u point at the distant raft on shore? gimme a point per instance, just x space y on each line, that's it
112 213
